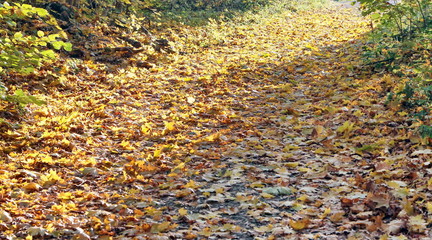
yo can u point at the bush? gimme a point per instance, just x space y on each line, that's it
403 18
401 45
23 51
24 47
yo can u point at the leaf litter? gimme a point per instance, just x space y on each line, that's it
272 132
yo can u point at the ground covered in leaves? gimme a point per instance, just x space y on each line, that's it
269 130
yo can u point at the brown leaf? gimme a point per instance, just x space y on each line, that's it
337 216
31 187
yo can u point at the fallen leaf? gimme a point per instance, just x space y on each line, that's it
277 191
417 224
183 212
5 216
299 224
160 227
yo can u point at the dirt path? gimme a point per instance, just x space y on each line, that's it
294 173
318 159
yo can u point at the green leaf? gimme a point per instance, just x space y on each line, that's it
18 35
53 37
27 70
49 54
11 23
41 12
57 45
26 6
67 46
22 98
375 16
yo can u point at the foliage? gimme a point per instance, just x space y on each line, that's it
23 48
403 18
19 97
23 51
405 26
401 44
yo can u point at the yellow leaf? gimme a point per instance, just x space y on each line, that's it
127 145
429 183
401 192
312 47
206 194
65 196
384 237
266 195
183 212
206 232
145 128
50 178
396 184
292 164
48 134
191 184
169 126
320 151
31 187
303 169
161 227
326 212
303 198
346 127
288 148
408 207
429 207
337 216
417 224
178 167
358 113
59 209
300 224
157 153
213 137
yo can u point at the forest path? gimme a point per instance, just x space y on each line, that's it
267 130
306 109
320 154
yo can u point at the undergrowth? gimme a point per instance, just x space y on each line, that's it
401 44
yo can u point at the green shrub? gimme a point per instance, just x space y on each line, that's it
401 44
23 51
24 48
403 18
